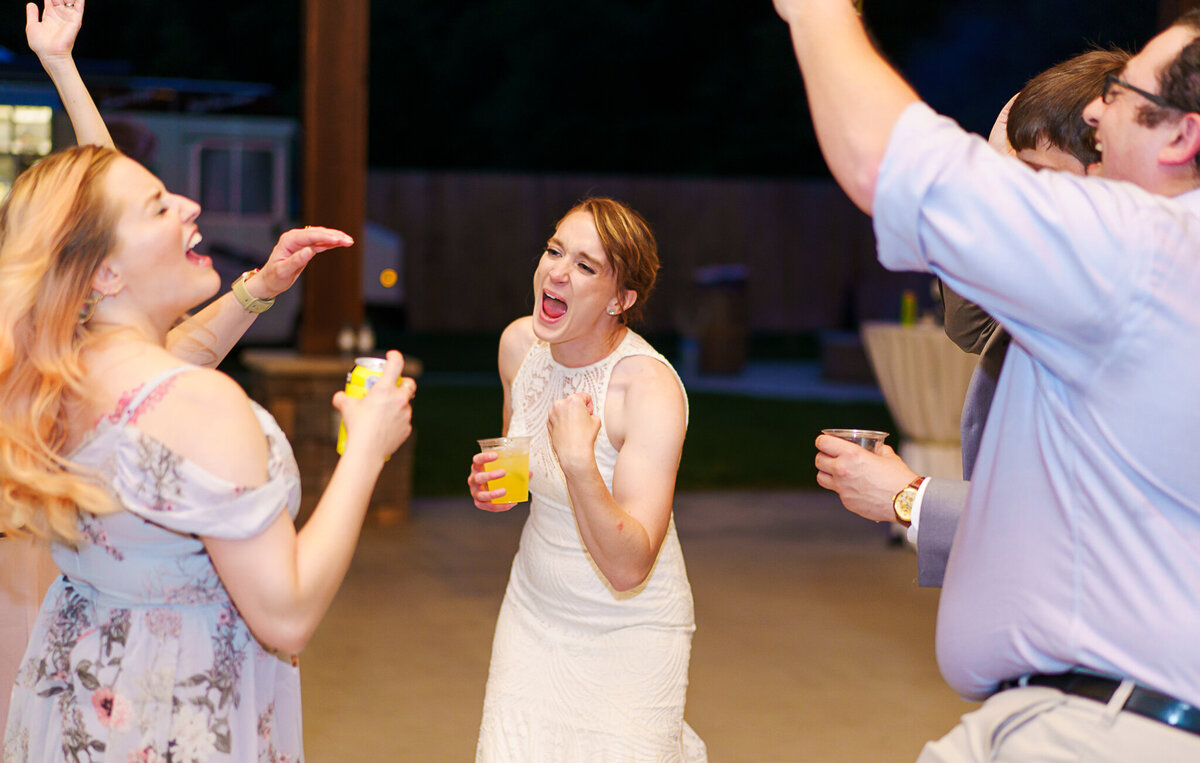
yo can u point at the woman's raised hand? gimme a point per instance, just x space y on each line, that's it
380 422
291 255
53 34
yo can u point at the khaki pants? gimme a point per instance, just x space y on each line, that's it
26 571
1037 724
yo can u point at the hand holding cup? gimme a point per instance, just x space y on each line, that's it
865 480
506 482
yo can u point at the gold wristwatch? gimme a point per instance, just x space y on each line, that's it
902 504
248 301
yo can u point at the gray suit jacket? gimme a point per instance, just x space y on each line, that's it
944 500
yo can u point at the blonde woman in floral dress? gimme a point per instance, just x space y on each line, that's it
186 590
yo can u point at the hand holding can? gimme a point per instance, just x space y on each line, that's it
359 381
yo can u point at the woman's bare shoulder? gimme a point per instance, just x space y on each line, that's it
644 393
645 372
515 342
205 416
518 334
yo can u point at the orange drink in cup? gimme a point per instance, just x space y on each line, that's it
513 458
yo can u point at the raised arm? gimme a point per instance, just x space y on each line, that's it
207 337
283 581
854 96
52 37
623 530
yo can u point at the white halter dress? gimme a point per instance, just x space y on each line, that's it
580 671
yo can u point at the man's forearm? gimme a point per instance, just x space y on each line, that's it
854 96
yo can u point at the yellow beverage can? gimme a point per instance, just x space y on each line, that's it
359 381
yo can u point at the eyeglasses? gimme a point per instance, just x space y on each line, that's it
1108 95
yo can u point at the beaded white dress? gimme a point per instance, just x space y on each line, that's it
580 671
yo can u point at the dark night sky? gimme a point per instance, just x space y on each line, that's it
644 86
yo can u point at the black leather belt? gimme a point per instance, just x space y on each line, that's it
1145 702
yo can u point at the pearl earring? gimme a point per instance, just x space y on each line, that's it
611 311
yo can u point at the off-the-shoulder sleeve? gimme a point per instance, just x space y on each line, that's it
161 486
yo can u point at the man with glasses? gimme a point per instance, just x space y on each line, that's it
1114 84
1043 127
1071 601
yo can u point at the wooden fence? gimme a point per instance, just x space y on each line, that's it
472 241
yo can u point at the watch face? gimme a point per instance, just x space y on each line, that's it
903 504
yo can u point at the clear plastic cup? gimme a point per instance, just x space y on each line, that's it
868 439
513 458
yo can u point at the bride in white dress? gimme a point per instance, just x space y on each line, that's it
591 651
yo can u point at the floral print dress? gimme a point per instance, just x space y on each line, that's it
138 654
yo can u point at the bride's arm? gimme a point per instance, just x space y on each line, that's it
624 529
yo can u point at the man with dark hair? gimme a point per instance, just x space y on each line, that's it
1042 126
1071 601
1047 115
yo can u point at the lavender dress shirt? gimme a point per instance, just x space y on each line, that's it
1080 545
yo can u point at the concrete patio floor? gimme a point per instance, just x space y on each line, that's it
813 641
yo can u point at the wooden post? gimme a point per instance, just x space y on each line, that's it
335 164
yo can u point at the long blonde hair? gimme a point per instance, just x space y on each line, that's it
56 227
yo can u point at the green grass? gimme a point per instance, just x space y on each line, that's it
744 442
733 441
448 420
